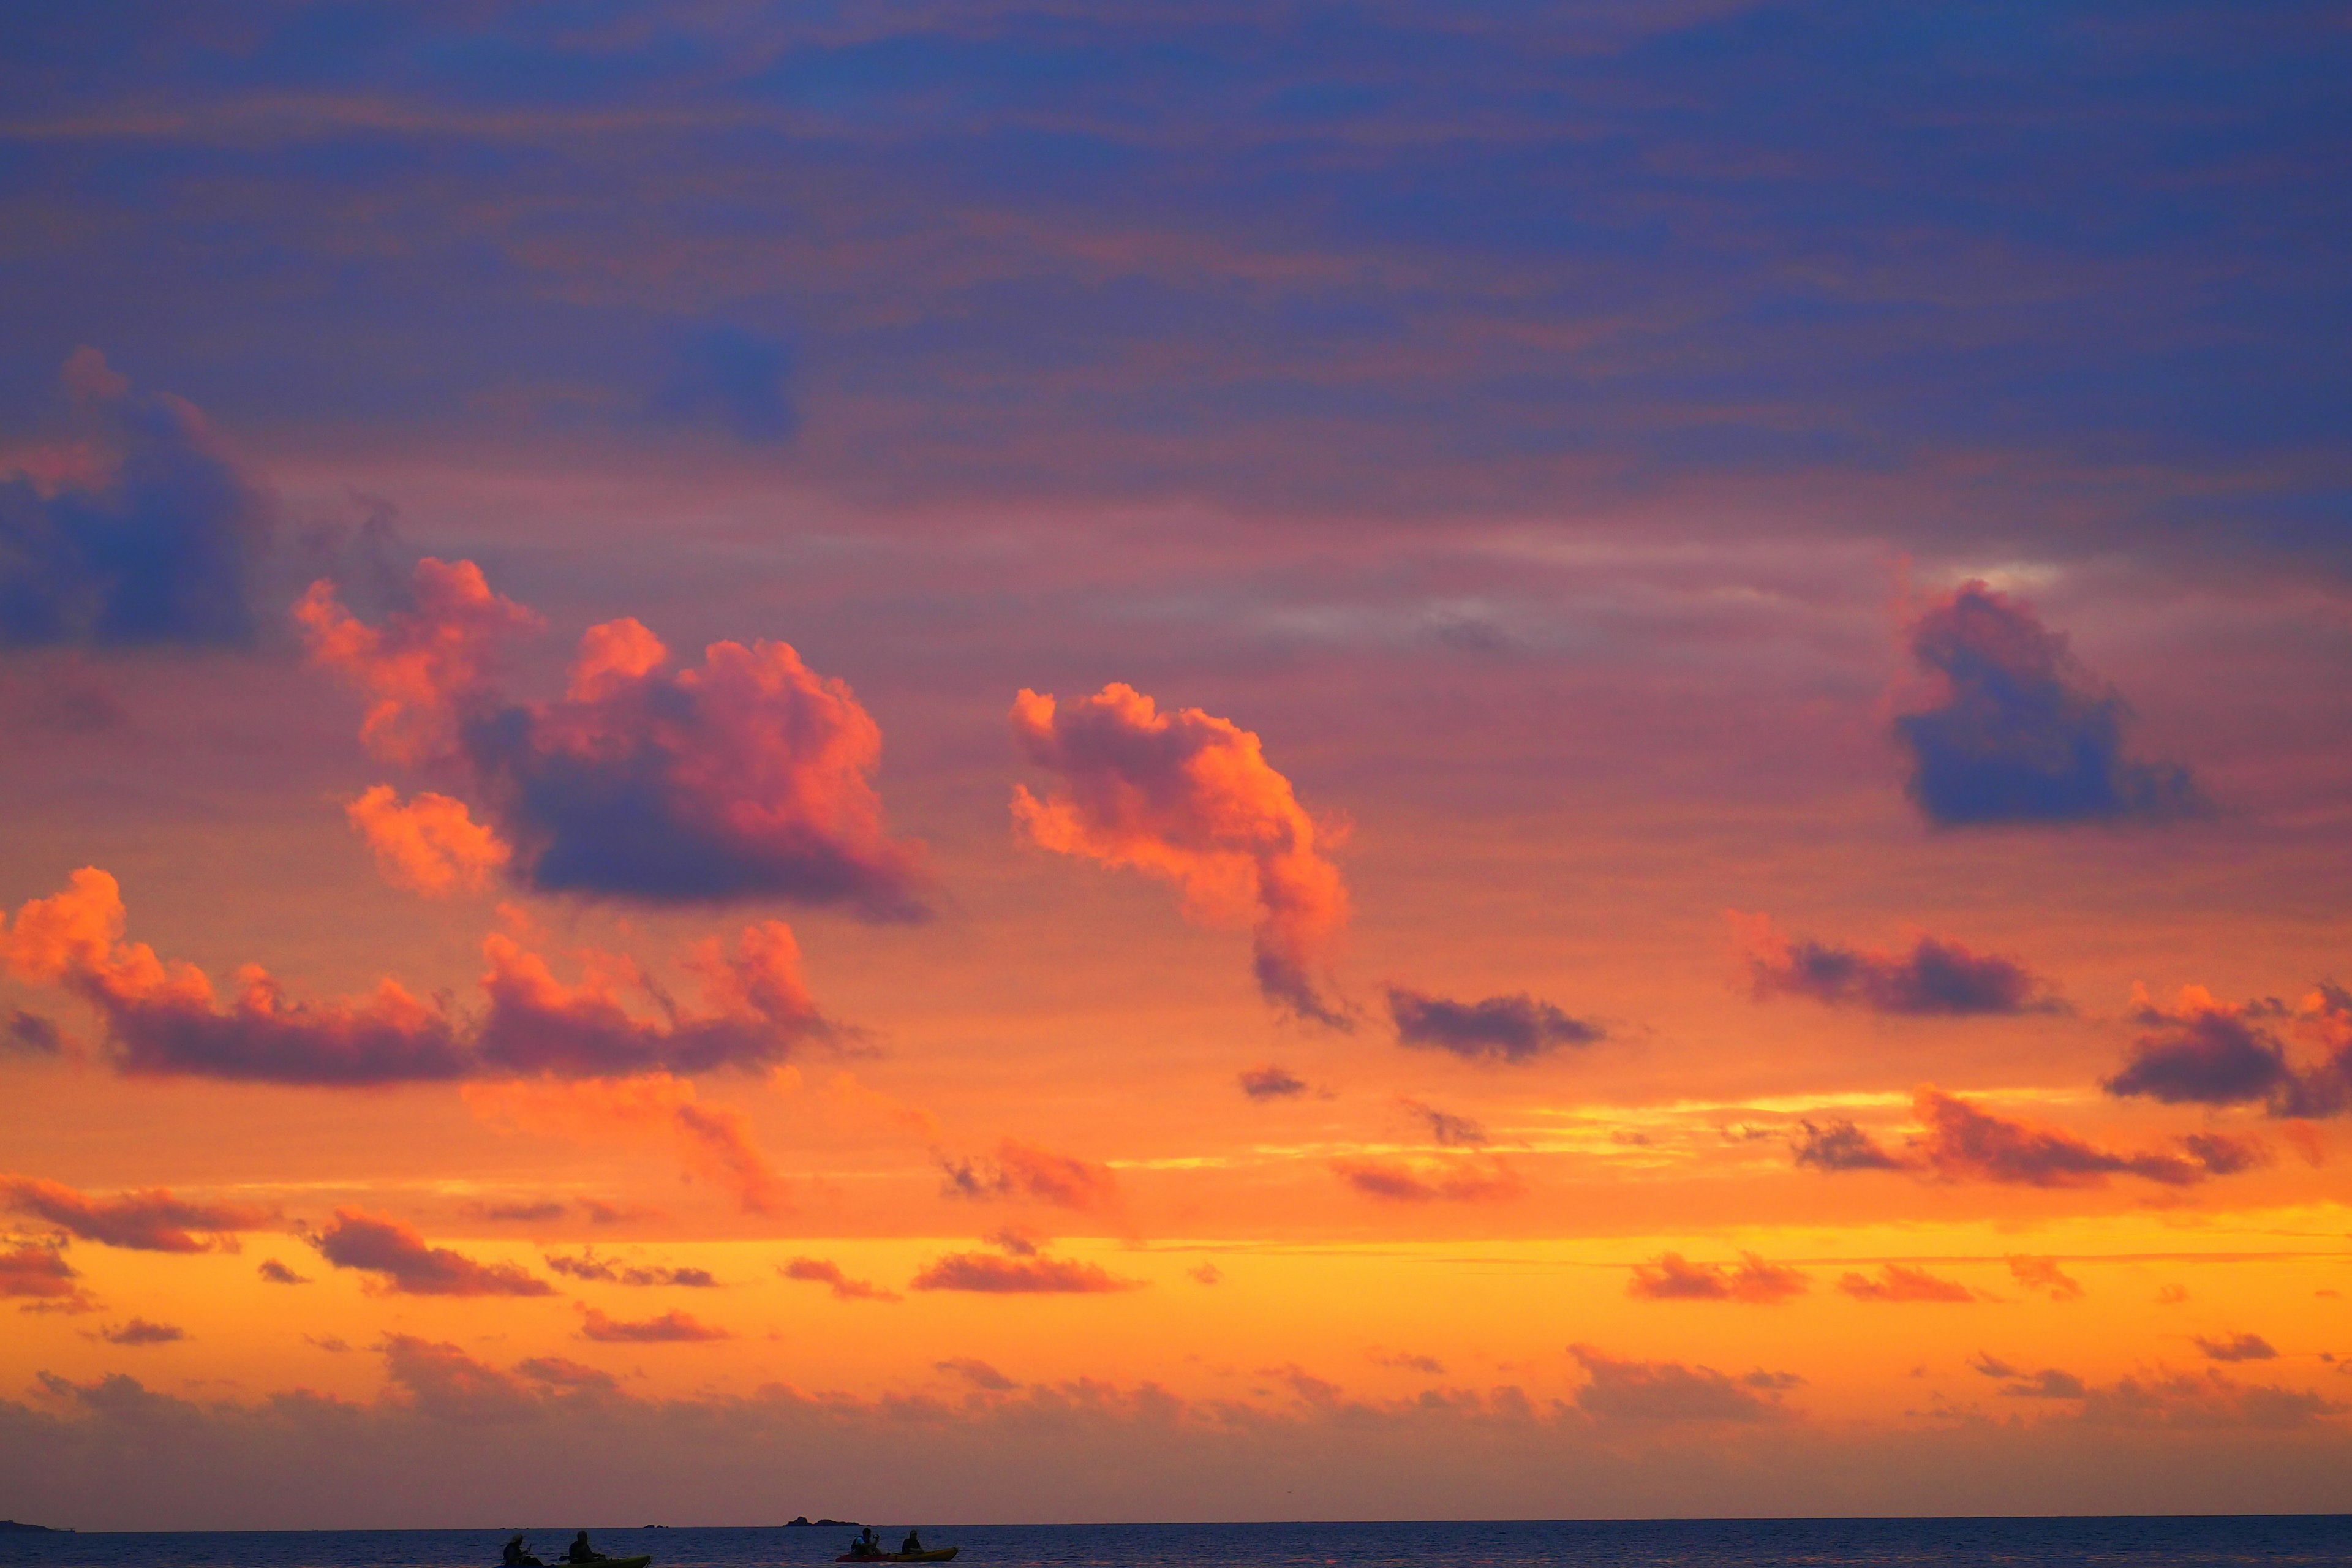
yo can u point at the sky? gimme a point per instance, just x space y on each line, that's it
1031 762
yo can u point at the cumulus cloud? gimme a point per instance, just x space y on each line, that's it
989 1274
588 1266
150 1221
1934 978
828 1273
672 1328
140 1332
37 1273
1671 1277
1452 1181
166 1018
2012 729
1024 1171
430 844
1444 1126
1190 798
1963 1143
1648 1392
1271 1082
273 1272
2235 1347
747 776
2204 1051
1903 1283
1497 1029
151 538
402 1263
716 1141
2043 1273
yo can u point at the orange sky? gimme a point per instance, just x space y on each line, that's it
1092 799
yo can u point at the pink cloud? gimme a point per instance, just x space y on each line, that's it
987 1273
1189 798
828 1273
166 1018
38 1273
672 1326
1964 1143
403 1264
747 776
431 844
151 1221
1460 1181
1024 1171
1934 977
1902 1282
1670 1276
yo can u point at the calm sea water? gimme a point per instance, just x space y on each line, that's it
1814 1543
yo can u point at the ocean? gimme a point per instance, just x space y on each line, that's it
2138 1542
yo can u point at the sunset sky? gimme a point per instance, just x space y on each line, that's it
1048 762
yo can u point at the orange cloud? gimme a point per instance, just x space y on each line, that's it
403 1264
37 1274
1965 1144
988 1274
825 1271
151 1221
425 664
166 1018
671 1328
1022 1169
716 1140
1670 1276
748 776
1189 798
432 845
1431 1181
1902 1282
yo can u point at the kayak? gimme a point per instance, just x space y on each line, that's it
942 1554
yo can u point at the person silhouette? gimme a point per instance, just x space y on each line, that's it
517 1554
582 1552
913 1543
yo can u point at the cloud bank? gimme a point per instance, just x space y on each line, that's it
166 1018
